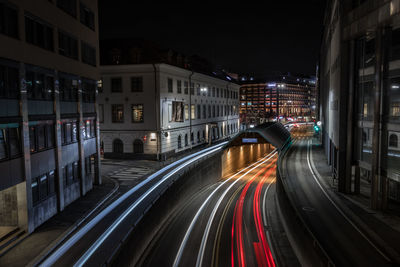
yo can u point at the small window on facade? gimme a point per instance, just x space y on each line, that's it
86 16
50 135
32 138
179 86
137 84
35 190
117 113
9 21
41 137
67 45
186 89
43 189
88 54
74 132
116 85
68 133
14 138
179 141
88 133
193 112
170 86
3 144
186 111
137 113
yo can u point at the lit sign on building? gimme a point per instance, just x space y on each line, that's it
249 140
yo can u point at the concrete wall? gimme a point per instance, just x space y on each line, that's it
8 207
238 157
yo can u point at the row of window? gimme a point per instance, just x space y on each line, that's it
136 84
10 142
179 112
216 133
117 113
86 14
69 133
205 90
41 33
43 186
40 83
41 137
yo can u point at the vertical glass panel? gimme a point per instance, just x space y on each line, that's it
3 146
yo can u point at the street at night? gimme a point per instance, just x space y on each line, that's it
172 134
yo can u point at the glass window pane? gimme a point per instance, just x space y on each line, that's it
3 147
43 187
74 132
32 139
68 133
51 182
50 135
15 141
35 190
41 137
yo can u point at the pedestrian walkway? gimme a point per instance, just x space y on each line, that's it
383 227
50 233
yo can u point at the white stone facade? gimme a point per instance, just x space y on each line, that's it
210 103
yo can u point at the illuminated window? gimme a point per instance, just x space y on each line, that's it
117 113
193 112
137 113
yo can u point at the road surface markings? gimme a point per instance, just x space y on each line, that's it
194 220
335 205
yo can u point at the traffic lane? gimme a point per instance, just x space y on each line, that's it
190 253
77 250
236 230
341 241
162 250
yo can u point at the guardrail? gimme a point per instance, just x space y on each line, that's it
126 222
281 175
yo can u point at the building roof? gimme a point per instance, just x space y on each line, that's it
139 51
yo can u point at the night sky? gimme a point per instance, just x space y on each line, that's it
276 36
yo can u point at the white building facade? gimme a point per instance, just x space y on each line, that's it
155 111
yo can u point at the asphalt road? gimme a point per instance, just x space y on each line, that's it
68 253
222 225
343 242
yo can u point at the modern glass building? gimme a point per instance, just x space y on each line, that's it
359 81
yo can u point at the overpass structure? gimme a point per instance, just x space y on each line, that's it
273 133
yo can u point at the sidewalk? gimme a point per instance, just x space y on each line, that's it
383 228
52 231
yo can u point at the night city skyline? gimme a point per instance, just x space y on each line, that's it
137 133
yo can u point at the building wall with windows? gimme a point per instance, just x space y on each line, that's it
156 111
359 106
49 141
294 97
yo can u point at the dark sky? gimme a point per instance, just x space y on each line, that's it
243 37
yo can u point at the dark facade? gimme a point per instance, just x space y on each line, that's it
359 81
49 138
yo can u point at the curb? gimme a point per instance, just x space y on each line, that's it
375 238
53 245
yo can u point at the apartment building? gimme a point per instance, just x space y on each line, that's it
160 109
